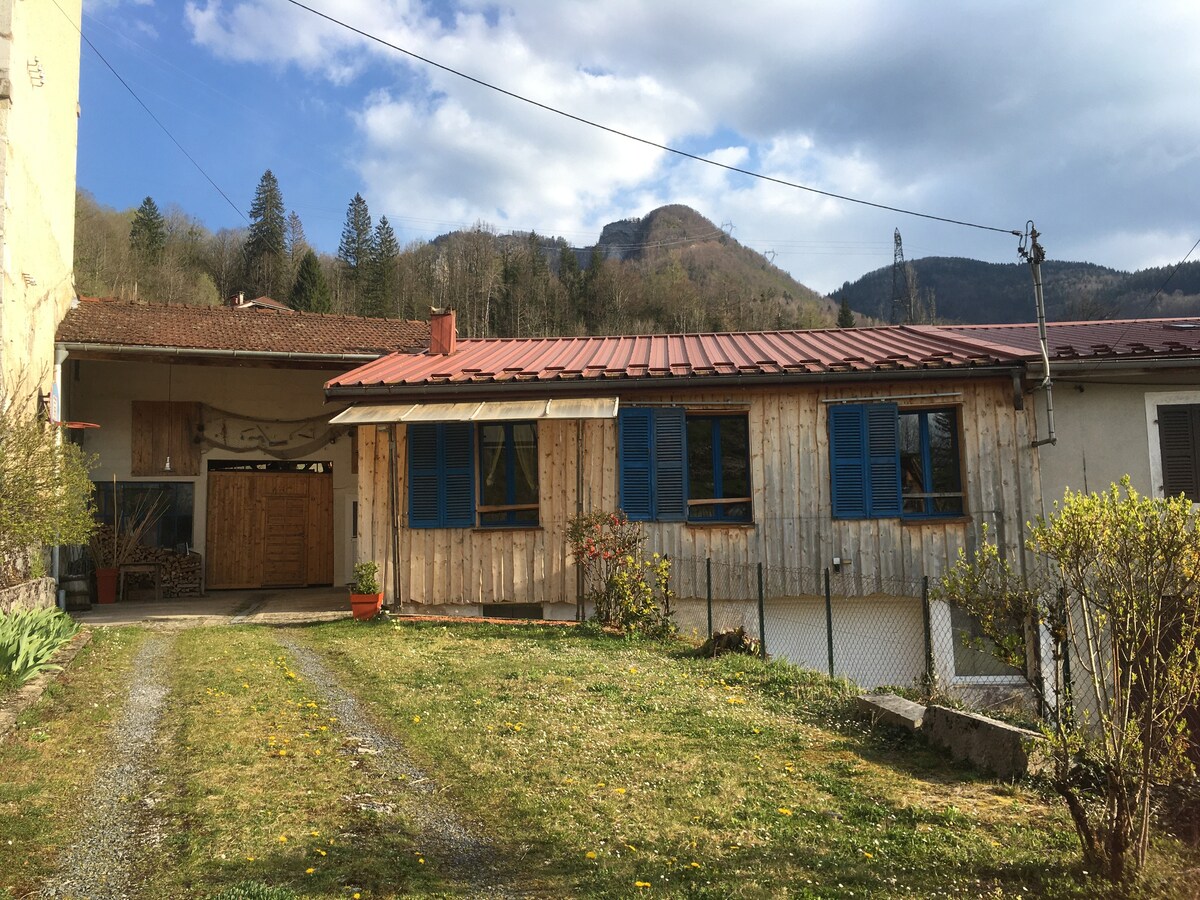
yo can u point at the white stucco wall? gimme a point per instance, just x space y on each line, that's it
39 60
1106 431
102 392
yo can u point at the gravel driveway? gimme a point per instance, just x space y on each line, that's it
462 856
97 865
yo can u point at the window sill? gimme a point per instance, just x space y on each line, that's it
936 520
489 529
990 680
741 526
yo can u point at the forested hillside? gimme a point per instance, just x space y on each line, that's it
672 270
967 290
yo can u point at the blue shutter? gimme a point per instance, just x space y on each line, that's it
423 481
670 454
883 453
634 457
458 484
847 461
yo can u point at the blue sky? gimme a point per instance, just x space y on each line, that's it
1074 115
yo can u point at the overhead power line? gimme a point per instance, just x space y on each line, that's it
641 140
150 113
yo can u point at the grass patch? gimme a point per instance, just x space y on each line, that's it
49 761
633 769
263 788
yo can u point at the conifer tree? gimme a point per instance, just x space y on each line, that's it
266 242
845 317
310 293
379 295
148 233
355 250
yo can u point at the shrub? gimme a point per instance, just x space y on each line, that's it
28 640
1119 585
629 590
45 490
366 578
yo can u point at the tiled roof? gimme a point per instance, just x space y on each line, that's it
1123 338
667 357
114 324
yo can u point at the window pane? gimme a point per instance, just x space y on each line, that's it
912 463
972 651
525 486
946 473
701 480
735 456
493 481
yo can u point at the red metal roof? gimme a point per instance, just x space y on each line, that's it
104 324
672 356
1122 338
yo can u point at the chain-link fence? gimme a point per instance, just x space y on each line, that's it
874 631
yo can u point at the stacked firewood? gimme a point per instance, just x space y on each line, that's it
182 573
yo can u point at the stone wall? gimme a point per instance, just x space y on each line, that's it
28 595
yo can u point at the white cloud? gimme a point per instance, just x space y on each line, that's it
986 112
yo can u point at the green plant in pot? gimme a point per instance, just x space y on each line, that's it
366 595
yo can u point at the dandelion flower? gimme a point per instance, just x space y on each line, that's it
784 811
868 855
283 839
421 860
641 884
619 790
309 870
591 854
315 833
416 719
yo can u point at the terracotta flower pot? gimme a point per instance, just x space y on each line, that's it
366 606
106 585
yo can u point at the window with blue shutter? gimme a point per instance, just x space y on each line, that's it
886 463
847 461
661 469
441 480
636 454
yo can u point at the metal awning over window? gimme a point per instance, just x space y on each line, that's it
480 411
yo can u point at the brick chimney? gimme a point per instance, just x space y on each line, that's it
443 332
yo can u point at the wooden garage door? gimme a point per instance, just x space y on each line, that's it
269 529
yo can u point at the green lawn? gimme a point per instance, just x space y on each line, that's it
596 766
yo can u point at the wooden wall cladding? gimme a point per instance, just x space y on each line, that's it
160 429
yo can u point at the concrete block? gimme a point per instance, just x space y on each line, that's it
1003 750
892 710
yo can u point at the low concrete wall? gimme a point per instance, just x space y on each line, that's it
1004 750
28 595
999 748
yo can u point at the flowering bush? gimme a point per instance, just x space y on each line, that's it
629 590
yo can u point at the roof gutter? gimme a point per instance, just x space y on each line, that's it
206 353
591 386
1124 364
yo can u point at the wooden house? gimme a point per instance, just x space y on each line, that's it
879 452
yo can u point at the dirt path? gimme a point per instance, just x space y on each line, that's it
466 858
97 865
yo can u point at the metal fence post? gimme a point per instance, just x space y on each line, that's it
927 615
829 621
1068 689
762 615
708 586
